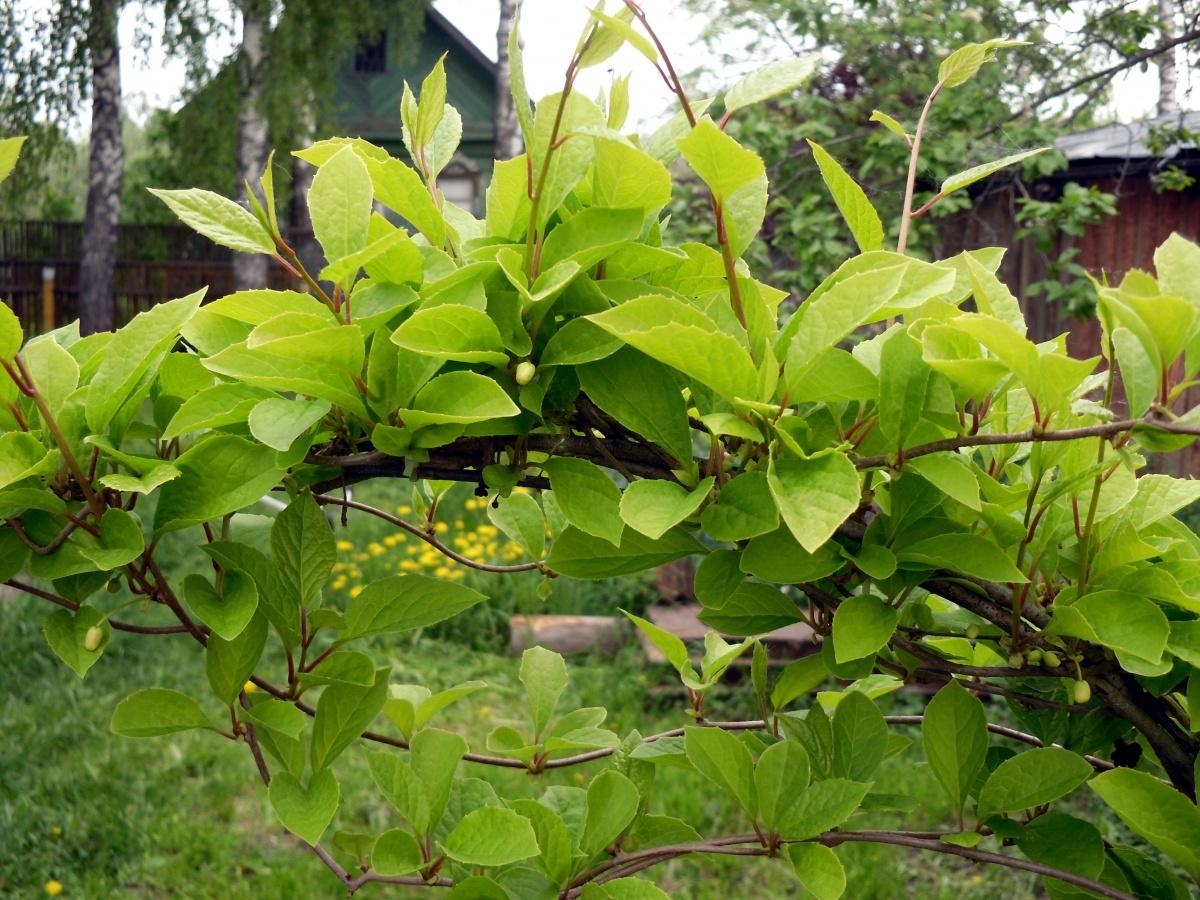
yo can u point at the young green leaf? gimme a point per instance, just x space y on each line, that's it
612 802
771 80
1030 779
851 201
219 219
589 499
954 732
814 495
724 760
491 836
305 811
819 870
157 711
544 675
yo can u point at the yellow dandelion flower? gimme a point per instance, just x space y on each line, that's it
403 510
442 571
456 574
376 548
344 545
338 583
484 711
409 565
249 687
441 527
55 832
355 591
392 540
54 888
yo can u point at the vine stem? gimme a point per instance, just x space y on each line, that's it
671 77
906 215
428 538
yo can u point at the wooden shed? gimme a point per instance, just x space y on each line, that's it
1116 159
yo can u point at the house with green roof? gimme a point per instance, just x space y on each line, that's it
370 84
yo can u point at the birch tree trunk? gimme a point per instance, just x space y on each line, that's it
302 238
1168 79
508 133
97 308
250 270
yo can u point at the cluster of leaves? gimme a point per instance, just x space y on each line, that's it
948 500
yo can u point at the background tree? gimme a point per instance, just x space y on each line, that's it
106 169
871 56
508 134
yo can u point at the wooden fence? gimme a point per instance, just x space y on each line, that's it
154 263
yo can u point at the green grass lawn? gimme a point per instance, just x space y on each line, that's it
184 815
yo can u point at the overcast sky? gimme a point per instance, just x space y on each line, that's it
550 29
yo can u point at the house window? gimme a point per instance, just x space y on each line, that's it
371 56
459 183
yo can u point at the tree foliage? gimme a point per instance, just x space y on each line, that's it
947 503
873 61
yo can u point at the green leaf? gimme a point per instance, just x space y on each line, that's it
860 737
889 123
862 624
1056 839
223 404
637 391
903 383
339 203
580 555
614 31
401 787
781 774
133 351
226 613
851 201
157 711
776 557
219 219
752 608
522 520
554 841
66 633
798 679
10 150
969 176
1156 811
819 870
963 64
954 732
588 498
544 675
769 81
458 398
452 331
229 664
491 836
121 540
404 602
343 713
721 162
744 509
396 852
612 802
950 474
12 335
1124 622
684 338
814 495
219 475
971 554
21 455
671 646
625 177
277 422
655 507
302 546
277 715
1032 778
723 760
434 757
825 805
305 811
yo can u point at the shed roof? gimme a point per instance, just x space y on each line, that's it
1125 140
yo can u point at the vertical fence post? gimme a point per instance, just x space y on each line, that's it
47 299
